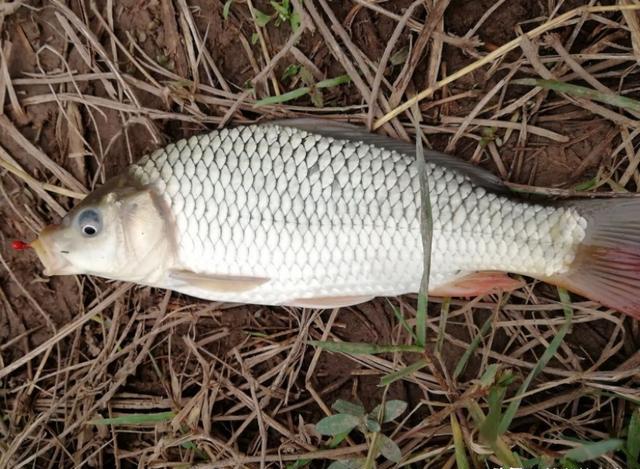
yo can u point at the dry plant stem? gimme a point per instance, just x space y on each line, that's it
400 85
499 52
263 47
263 74
354 74
9 164
377 81
66 330
5 84
39 156
202 46
37 184
477 110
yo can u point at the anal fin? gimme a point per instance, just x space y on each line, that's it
327 302
477 284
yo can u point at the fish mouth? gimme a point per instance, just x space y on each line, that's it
54 263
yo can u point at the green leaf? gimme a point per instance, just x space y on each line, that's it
347 464
291 71
226 8
337 439
489 375
582 92
400 56
283 9
262 19
458 443
633 436
372 425
306 76
316 97
403 373
255 37
136 419
535 463
346 407
361 348
593 450
566 463
335 424
392 410
510 413
294 21
298 464
389 448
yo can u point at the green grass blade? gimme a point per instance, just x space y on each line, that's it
582 92
332 82
403 321
136 419
299 92
403 373
444 315
284 97
458 442
586 185
262 19
361 348
472 348
426 230
544 360
226 8
633 437
421 319
593 450
490 425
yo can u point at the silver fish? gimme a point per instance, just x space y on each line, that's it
318 214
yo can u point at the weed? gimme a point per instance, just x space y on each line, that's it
352 416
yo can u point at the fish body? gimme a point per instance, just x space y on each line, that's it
306 213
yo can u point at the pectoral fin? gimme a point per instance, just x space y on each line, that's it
218 283
327 302
476 284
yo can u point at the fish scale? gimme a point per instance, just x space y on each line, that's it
321 216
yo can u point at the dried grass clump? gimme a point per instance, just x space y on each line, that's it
113 375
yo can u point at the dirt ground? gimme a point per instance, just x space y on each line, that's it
92 86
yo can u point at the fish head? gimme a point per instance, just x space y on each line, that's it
120 231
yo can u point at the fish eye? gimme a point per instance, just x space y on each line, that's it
90 222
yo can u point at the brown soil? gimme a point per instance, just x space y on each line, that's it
33 306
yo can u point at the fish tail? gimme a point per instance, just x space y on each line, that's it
607 263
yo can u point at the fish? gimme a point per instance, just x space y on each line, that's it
315 213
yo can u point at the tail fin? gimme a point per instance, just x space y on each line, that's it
607 264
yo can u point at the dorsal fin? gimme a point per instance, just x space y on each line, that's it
344 131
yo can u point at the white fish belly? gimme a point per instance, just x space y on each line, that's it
323 217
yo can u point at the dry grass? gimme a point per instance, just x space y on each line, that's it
113 375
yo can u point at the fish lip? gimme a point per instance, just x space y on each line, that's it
54 264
